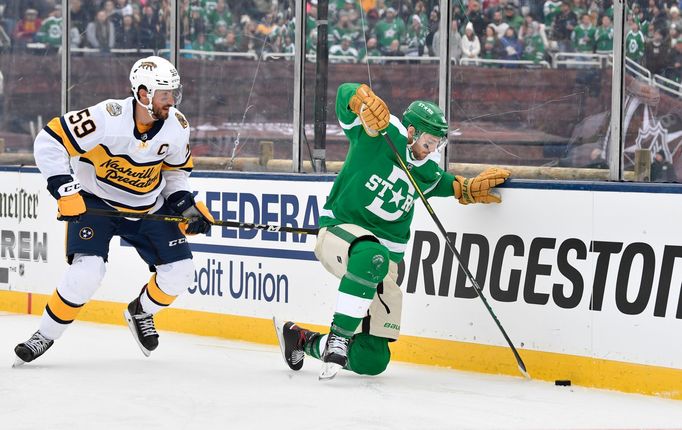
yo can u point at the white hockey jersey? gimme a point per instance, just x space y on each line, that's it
129 170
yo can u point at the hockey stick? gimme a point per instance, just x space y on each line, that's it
223 223
479 290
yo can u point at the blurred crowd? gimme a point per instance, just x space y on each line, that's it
510 30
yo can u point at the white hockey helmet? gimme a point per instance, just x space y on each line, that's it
155 73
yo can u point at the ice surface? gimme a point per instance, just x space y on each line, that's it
95 377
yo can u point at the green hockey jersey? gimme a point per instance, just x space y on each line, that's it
372 190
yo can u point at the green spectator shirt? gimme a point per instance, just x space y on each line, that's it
214 17
551 9
534 49
634 45
416 39
51 31
515 22
604 38
373 52
372 190
387 32
583 38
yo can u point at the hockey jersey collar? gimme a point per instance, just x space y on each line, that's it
149 135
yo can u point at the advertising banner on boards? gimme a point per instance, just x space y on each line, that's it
580 272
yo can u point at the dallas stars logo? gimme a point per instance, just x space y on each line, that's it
394 208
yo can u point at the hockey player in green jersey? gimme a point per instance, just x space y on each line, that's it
365 227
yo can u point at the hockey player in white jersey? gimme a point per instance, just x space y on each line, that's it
128 155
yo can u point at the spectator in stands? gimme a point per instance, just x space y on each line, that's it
657 53
675 18
121 10
100 33
564 23
343 28
129 36
490 44
499 25
578 7
79 15
150 29
201 43
604 36
434 25
662 170
51 29
370 51
420 11
511 47
455 42
195 24
416 38
673 36
659 18
583 36
224 40
113 17
492 6
675 72
475 16
634 42
512 18
221 12
534 42
310 43
389 29
394 50
344 49
551 9
471 46
26 29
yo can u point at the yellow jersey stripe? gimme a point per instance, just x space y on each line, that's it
156 295
188 164
54 128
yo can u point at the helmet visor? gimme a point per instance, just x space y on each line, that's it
430 142
174 96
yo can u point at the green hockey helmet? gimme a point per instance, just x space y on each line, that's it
426 117
431 129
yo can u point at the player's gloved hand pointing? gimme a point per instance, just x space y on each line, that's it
479 189
65 188
372 111
200 219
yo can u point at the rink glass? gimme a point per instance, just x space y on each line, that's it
545 115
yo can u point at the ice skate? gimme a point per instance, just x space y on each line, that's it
292 339
142 327
31 349
335 356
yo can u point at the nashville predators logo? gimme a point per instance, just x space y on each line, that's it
148 65
181 119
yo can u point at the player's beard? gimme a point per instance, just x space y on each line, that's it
161 112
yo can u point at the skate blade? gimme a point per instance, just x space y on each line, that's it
329 371
279 327
131 326
18 362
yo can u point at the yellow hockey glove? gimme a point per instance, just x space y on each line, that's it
70 204
371 110
200 220
479 189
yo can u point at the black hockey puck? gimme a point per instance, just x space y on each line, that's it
563 382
